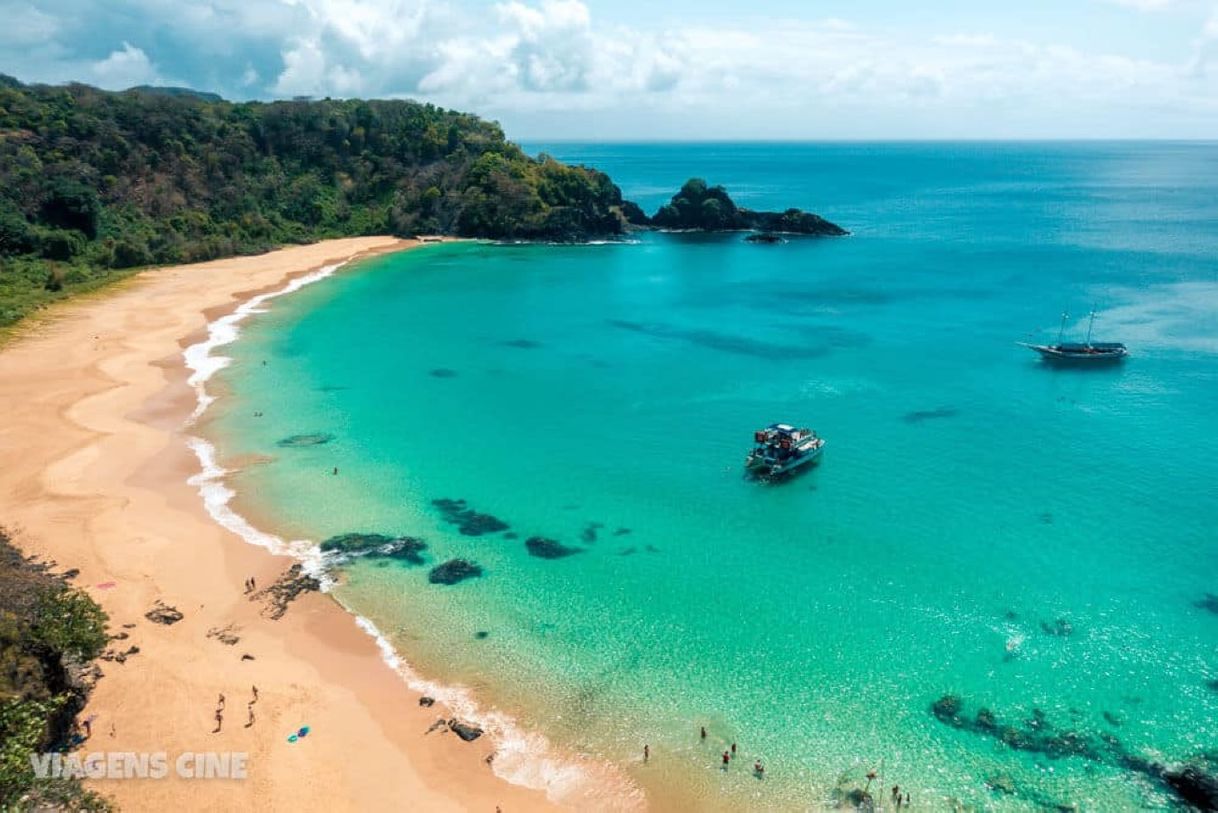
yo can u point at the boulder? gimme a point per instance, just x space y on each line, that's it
162 613
544 548
1194 786
468 521
291 585
947 710
454 571
465 731
764 237
403 548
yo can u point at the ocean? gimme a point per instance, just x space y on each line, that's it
991 591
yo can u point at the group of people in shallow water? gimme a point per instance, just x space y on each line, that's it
728 756
899 799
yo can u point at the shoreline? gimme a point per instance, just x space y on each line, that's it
522 758
95 393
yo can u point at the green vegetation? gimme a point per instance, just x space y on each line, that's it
49 632
709 208
93 183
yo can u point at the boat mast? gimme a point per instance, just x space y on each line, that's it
1090 325
1062 330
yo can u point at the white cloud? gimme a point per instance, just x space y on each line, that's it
124 68
531 61
25 25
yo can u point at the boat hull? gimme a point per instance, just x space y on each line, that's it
1082 356
770 468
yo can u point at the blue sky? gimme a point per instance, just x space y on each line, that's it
669 69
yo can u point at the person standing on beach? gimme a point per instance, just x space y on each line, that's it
733 750
646 752
255 688
703 732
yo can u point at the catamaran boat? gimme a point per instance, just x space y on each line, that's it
780 449
1087 352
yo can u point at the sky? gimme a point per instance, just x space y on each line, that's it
668 69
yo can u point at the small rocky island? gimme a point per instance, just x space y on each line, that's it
700 207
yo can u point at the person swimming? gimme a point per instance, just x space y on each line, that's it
759 769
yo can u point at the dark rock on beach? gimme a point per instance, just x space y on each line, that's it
468 521
544 548
291 585
454 571
427 702
299 441
465 731
162 613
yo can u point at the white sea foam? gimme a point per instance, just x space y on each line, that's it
521 758
222 331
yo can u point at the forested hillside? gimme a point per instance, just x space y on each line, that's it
92 182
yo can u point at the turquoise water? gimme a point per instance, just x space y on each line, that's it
969 498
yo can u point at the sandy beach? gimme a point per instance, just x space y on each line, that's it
94 397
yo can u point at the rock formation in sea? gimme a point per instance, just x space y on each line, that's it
765 237
454 571
544 548
1195 782
468 521
700 207
297 441
402 548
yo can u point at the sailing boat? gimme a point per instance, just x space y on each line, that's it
1088 352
